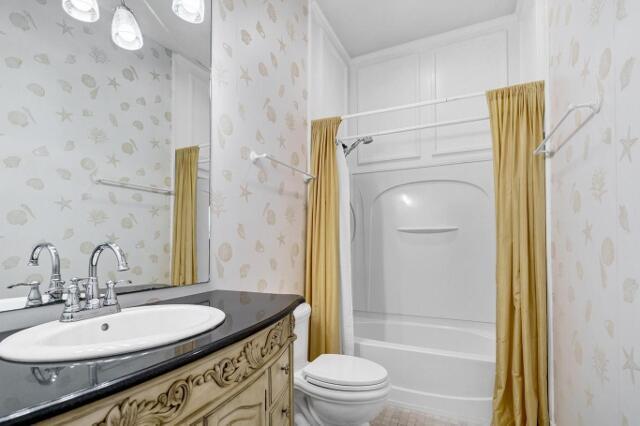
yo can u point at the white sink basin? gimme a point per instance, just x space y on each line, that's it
133 329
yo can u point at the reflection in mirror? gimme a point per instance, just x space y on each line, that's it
104 137
46 375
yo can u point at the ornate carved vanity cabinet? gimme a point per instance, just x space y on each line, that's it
247 383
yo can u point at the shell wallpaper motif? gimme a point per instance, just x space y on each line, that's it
76 108
259 103
595 196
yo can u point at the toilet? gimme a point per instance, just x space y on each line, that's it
334 390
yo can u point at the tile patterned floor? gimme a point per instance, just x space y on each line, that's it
398 416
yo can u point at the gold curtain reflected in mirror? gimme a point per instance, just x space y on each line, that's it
184 264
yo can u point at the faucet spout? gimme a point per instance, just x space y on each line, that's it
34 258
121 258
55 282
92 295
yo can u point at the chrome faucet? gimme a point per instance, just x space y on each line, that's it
92 295
94 306
56 285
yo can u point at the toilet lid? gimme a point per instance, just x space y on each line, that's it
344 371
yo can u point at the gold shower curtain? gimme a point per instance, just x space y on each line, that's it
184 265
520 390
321 287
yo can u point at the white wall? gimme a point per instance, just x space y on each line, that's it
533 34
329 64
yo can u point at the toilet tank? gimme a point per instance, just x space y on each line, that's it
300 347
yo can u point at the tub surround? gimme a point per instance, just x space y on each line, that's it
42 391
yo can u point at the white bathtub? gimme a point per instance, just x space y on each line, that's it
440 368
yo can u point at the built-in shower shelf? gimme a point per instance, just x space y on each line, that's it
428 229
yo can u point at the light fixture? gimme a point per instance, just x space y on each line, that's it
82 10
125 31
189 10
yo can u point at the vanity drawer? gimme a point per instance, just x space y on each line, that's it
279 375
281 413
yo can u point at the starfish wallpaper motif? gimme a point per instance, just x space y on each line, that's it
258 210
594 303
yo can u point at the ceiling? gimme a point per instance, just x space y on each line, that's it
365 26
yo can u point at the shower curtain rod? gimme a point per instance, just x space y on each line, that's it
409 106
411 128
413 105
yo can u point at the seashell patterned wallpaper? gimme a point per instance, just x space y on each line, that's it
595 191
75 108
259 103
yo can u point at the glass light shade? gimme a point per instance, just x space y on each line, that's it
125 31
82 10
189 10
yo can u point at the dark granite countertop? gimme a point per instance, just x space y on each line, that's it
33 392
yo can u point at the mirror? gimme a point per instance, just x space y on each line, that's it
104 142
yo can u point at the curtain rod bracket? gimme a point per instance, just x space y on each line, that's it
594 107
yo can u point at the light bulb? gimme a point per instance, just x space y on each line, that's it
82 10
125 31
189 10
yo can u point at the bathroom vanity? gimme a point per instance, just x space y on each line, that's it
240 371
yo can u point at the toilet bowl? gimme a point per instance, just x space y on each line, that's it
334 390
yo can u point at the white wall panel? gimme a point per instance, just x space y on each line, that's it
472 59
329 78
392 82
467 67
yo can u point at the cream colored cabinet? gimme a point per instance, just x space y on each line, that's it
281 413
248 408
248 383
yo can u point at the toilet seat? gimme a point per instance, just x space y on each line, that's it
333 386
345 373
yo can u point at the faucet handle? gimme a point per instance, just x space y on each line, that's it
57 290
34 298
79 283
111 298
72 304
29 284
